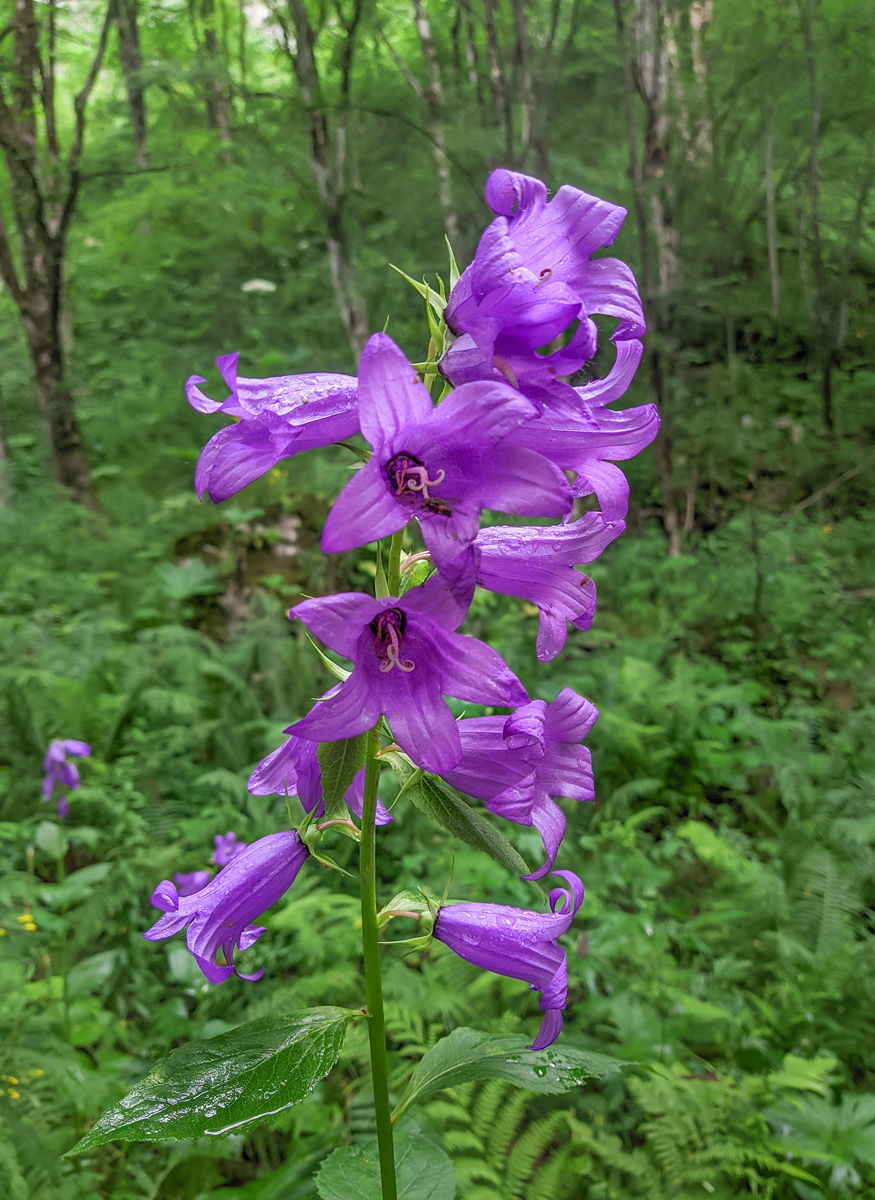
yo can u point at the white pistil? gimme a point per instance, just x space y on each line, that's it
415 479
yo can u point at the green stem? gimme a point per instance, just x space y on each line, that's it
393 576
371 948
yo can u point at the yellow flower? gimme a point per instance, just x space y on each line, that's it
29 927
36 1072
12 1094
2 931
827 529
11 1080
24 918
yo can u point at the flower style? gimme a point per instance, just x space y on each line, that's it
532 276
519 944
407 656
275 419
537 564
227 846
519 765
60 772
187 883
219 916
294 768
442 465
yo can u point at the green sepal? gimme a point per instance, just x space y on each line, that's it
454 269
335 669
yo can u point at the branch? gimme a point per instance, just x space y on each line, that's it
831 487
8 273
80 104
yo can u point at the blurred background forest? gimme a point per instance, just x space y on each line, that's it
183 180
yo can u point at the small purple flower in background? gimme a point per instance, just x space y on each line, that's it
519 765
275 419
293 768
442 465
61 773
406 657
537 564
519 944
227 846
219 916
193 881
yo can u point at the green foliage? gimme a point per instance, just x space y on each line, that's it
424 1172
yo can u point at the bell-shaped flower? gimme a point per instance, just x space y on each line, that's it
519 944
406 657
189 882
220 915
61 773
519 765
226 846
442 465
585 436
537 564
293 768
532 276
274 419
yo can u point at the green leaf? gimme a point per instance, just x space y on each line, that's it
340 762
51 840
229 1082
422 1168
445 806
468 1054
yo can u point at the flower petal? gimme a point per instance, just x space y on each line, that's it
390 393
338 620
364 511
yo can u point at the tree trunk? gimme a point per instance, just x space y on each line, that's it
132 66
218 104
771 217
497 82
434 99
327 155
650 77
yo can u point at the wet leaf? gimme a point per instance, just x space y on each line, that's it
468 1054
229 1082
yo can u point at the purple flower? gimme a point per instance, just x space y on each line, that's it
580 433
219 916
193 881
442 465
537 564
519 944
276 418
406 656
294 768
227 846
518 765
532 276
61 773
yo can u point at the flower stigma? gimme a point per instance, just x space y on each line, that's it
388 629
409 479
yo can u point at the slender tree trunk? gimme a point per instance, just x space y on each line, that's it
131 60
652 294
218 104
327 155
497 82
531 124
434 98
771 217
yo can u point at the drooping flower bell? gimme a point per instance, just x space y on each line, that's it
220 915
406 657
442 465
293 768
537 564
519 765
61 773
189 882
275 419
519 944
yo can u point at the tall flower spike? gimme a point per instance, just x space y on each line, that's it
61 773
275 419
519 765
219 916
537 564
442 465
293 768
519 944
406 657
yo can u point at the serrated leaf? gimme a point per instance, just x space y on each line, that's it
423 1171
229 1082
468 1054
445 806
339 763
